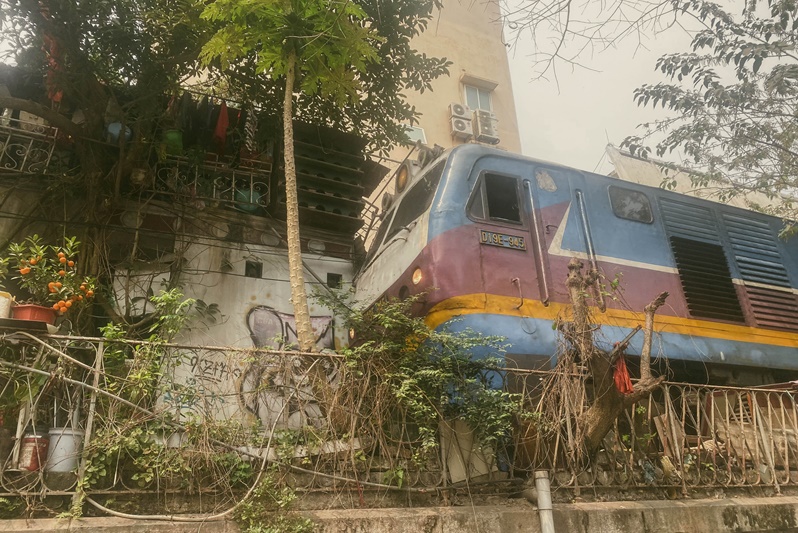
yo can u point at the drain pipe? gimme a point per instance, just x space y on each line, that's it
544 501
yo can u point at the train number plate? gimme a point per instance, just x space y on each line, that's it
502 239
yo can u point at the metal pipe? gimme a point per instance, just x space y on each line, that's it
591 251
544 296
544 501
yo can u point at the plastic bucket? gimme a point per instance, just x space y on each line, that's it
33 452
173 142
64 450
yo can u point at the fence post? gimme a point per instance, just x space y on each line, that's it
80 493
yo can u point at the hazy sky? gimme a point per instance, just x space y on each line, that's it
572 123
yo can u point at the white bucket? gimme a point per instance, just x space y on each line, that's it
64 450
5 304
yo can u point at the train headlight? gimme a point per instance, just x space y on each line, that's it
402 177
417 276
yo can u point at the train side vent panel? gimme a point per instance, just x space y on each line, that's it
767 284
701 262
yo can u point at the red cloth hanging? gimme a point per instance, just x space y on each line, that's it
220 132
620 375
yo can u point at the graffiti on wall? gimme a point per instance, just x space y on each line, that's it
281 391
273 329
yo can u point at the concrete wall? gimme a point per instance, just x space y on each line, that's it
778 514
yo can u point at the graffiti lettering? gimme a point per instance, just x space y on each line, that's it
282 391
273 329
209 370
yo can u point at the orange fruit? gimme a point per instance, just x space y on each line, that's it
58 284
80 297
71 264
33 261
56 306
24 270
68 303
90 293
62 260
61 254
62 272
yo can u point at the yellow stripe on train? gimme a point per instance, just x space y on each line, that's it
470 304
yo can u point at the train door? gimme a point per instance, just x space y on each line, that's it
548 201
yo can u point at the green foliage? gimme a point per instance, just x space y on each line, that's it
423 377
733 100
354 59
10 508
49 273
326 36
268 509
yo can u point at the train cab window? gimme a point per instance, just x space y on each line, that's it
497 199
630 205
417 200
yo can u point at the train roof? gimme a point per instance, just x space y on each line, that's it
472 152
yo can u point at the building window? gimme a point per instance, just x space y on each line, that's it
253 269
334 281
478 98
415 134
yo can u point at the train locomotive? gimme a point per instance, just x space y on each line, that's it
487 236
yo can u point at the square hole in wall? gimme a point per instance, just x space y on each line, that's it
334 281
253 269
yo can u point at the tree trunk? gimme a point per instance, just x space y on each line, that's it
304 330
607 402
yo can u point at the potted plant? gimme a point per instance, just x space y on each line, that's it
49 274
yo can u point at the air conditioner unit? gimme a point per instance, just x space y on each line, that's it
485 127
461 128
459 111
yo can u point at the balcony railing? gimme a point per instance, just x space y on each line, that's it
243 185
25 147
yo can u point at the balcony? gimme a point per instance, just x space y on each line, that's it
26 147
243 185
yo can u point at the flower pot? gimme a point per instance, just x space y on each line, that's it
34 312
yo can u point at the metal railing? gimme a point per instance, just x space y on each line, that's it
243 185
684 436
26 147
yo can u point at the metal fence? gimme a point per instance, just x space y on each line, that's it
682 437
687 436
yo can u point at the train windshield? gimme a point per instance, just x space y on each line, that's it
411 206
417 200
